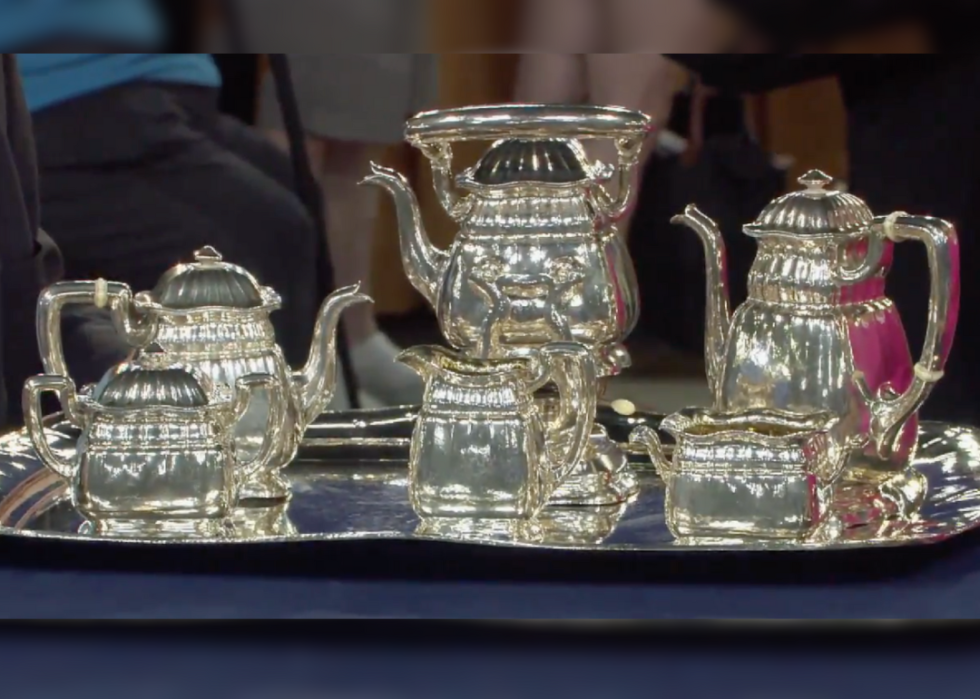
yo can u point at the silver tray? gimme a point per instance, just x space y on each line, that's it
350 483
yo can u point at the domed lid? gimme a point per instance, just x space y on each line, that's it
812 211
551 161
208 281
151 382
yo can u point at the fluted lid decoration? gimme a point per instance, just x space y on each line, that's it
552 161
151 383
208 281
815 210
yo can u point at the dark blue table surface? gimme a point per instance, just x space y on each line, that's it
936 582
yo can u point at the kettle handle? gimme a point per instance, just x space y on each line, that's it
572 368
116 296
246 388
889 412
34 387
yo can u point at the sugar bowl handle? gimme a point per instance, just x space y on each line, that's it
34 388
890 411
571 367
246 389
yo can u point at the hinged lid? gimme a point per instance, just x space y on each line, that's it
208 281
151 382
813 211
550 161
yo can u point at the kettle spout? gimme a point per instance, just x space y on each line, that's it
318 378
646 438
425 264
717 304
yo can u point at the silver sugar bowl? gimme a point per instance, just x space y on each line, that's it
157 441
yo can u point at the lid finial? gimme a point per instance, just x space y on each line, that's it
816 181
207 254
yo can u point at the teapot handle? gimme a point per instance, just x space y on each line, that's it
889 411
245 390
100 293
34 387
572 369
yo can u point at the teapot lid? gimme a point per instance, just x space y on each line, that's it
152 382
208 281
547 160
812 211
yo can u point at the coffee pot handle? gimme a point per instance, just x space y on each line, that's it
890 411
115 296
572 369
63 387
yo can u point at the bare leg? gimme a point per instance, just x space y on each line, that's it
556 33
351 218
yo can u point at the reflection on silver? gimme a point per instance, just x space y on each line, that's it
156 451
817 332
214 316
367 499
761 474
537 258
481 448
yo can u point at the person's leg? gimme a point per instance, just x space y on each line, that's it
129 188
555 34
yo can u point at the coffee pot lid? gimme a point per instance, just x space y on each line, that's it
546 160
815 210
151 382
208 281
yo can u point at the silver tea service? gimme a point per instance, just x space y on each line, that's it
214 316
481 447
156 450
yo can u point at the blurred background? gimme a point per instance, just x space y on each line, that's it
730 154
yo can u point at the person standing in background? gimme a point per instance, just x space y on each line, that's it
596 51
353 105
138 167
29 261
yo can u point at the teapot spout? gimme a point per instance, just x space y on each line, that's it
425 264
717 305
318 378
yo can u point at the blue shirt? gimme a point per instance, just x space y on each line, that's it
52 78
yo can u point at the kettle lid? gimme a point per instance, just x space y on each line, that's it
815 210
546 160
208 281
151 382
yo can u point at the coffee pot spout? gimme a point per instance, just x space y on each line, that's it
717 304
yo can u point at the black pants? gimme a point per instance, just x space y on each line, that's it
134 179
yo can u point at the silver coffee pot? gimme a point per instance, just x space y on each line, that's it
817 332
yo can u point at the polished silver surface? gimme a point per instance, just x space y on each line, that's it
482 447
156 450
537 258
362 498
754 474
214 316
817 332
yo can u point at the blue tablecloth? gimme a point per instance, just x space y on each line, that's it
936 582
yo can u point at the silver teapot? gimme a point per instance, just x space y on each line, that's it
537 258
817 332
214 316
481 447
157 441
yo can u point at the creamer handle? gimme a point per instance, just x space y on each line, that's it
573 371
245 390
889 412
34 387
